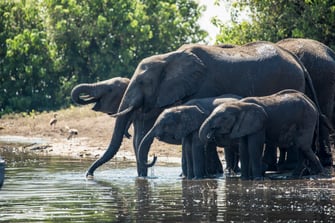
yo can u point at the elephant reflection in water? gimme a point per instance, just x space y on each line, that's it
200 200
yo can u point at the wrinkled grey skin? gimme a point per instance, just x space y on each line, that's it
106 94
182 123
319 61
286 119
198 71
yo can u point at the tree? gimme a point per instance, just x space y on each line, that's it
101 39
275 20
25 61
48 46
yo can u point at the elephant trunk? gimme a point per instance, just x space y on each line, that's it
129 100
121 125
205 132
84 94
144 148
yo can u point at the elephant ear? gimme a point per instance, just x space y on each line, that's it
250 120
192 118
183 75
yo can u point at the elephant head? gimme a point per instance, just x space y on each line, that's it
106 94
234 119
161 80
172 124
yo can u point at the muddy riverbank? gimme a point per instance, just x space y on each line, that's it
94 130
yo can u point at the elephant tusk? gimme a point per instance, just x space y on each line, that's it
123 112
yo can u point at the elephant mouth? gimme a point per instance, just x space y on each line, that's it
97 106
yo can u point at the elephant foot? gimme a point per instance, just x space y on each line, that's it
89 177
229 172
215 176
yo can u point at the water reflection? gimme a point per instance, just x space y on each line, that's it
49 189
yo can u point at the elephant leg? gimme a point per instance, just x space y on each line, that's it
324 153
288 158
236 157
291 158
282 158
229 157
183 162
213 163
298 170
232 158
326 101
187 146
316 166
244 157
270 157
255 149
199 157
141 127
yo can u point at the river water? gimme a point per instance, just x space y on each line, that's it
45 189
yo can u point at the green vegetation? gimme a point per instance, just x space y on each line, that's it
275 20
48 46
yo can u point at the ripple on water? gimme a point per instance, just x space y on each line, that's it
56 190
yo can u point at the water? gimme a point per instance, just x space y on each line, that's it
44 189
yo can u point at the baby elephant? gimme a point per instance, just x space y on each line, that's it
182 123
285 119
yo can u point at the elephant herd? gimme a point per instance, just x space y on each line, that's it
250 99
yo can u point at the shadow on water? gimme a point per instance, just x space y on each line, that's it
40 189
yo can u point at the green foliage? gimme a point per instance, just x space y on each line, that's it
102 39
48 46
276 20
25 59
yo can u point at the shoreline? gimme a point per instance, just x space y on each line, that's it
76 148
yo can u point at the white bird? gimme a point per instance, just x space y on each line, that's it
72 133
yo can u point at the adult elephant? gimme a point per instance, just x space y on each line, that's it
182 123
198 71
319 61
106 94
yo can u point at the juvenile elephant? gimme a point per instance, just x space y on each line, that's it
182 123
106 94
199 71
285 119
319 61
